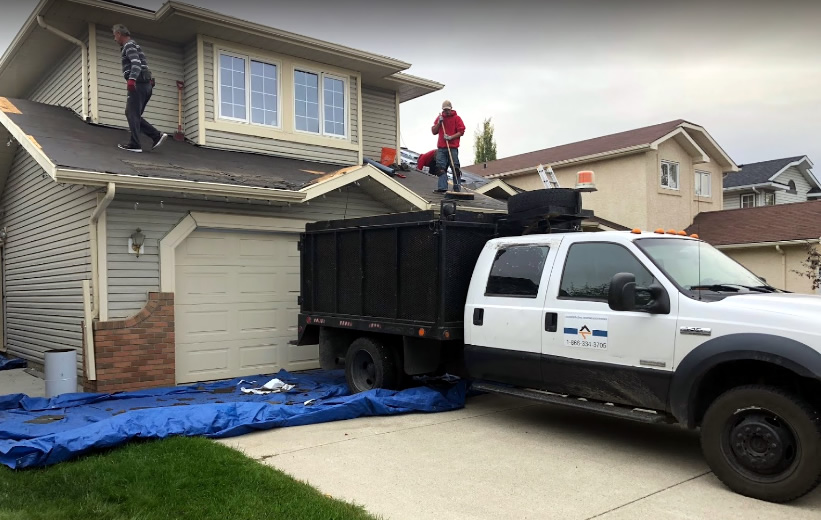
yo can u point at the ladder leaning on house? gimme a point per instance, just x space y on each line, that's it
548 177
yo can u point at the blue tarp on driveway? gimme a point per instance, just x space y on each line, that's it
36 431
9 363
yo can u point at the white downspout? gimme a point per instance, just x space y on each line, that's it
783 264
84 58
94 311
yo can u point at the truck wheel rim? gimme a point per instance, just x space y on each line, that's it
760 445
364 370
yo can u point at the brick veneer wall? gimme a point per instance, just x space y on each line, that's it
137 352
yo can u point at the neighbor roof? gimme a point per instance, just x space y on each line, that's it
607 143
778 223
758 173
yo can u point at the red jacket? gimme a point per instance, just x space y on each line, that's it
453 124
426 159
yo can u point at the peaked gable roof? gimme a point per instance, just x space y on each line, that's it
778 223
760 172
693 137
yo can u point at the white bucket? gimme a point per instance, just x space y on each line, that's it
61 371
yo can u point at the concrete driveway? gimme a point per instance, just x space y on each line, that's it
501 458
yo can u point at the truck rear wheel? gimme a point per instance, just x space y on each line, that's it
370 364
763 442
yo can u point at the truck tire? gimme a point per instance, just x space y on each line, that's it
531 200
370 364
763 442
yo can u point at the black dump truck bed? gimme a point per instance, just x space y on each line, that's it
405 274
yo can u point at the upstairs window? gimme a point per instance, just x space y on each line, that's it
769 198
703 181
669 175
331 120
249 90
748 200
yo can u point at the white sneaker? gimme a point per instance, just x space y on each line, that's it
160 141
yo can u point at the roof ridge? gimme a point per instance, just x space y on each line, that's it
676 122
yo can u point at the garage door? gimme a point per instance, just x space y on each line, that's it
236 305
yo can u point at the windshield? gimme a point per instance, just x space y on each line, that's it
693 264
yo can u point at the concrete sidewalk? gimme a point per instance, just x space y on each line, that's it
18 381
502 458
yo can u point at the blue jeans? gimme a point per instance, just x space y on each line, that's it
442 161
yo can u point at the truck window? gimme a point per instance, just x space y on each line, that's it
590 266
516 271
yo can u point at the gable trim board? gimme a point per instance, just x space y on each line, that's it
796 164
577 160
686 142
496 184
26 141
770 185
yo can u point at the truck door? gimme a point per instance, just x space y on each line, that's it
595 352
504 310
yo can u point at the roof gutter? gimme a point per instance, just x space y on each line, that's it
84 58
137 182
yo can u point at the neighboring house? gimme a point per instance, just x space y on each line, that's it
212 291
771 241
652 177
408 156
780 181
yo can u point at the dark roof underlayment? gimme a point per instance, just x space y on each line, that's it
69 142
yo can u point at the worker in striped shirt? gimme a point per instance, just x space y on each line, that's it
140 84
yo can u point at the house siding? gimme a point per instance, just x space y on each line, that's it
64 86
768 263
227 140
379 120
190 101
732 200
46 258
130 279
801 185
167 65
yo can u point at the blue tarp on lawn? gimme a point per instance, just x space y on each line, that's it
36 431
9 363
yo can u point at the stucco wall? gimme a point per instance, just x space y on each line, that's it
620 197
765 261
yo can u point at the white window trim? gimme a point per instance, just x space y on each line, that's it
321 92
709 175
764 198
218 51
678 176
741 199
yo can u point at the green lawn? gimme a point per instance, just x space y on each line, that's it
177 478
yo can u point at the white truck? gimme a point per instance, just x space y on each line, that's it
649 326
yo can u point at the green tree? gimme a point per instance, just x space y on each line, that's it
485 146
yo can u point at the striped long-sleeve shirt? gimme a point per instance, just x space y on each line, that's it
133 60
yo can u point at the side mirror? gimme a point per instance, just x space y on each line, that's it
622 293
659 300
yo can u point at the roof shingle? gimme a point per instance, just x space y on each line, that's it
799 221
757 173
607 143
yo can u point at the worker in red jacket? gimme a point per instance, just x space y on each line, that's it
428 159
450 128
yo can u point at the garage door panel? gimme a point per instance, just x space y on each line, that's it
236 305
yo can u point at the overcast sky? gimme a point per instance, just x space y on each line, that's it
554 72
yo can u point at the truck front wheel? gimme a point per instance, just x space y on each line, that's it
763 442
371 364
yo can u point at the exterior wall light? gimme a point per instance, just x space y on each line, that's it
135 243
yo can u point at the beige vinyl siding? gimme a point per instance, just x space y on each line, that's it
280 148
354 108
732 200
64 86
166 64
801 185
131 278
46 258
190 101
379 119
208 72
